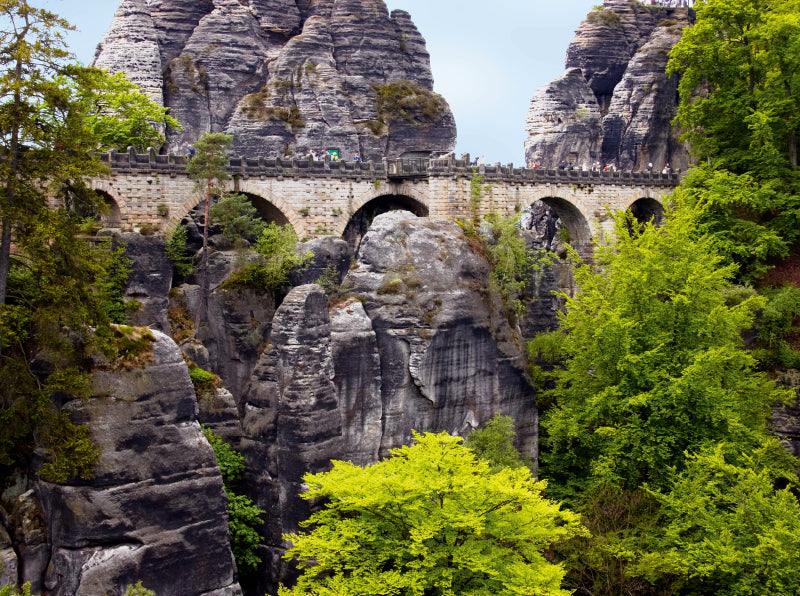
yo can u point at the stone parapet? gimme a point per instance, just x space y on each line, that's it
399 169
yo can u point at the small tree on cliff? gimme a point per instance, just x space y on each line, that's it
433 519
207 169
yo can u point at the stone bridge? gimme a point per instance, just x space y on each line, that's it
342 198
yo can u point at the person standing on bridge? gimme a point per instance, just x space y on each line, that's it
356 157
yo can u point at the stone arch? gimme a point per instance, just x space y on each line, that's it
580 234
268 203
108 211
112 209
359 222
645 209
267 210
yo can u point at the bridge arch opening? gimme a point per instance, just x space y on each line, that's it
266 210
362 219
647 209
556 221
107 210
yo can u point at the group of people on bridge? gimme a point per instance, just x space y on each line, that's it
667 3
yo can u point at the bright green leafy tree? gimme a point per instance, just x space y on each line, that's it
655 363
726 527
432 519
118 113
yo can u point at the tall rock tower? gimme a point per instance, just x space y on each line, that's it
614 103
284 77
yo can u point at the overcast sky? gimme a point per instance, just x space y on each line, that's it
488 58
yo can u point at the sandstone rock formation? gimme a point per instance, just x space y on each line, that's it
614 103
284 76
412 343
154 510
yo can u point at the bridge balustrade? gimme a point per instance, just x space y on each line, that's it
395 169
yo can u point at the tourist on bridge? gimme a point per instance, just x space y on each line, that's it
356 157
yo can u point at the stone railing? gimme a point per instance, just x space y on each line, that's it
151 163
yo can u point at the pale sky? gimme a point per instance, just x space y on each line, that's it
488 58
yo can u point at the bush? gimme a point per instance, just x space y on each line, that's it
407 101
494 443
25 590
277 249
138 590
244 518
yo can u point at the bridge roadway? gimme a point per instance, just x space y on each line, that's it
323 197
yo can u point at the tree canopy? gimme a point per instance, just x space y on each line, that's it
740 111
655 362
432 519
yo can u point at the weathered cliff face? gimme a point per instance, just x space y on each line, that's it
614 104
449 360
284 76
419 345
154 506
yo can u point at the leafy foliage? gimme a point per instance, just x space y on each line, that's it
25 590
178 253
118 113
514 264
138 590
58 295
740 110
729 530
655 363
230 461
244 518
277 249
432 519
776 325
494 442
239 220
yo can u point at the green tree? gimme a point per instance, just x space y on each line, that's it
178 252
494 442
118 114
740 111
725 528
239 219
655 363
277 250
57 293
207 169
432 519
44 137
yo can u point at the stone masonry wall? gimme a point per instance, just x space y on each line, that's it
320 198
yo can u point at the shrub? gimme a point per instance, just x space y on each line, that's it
244 518
407 101
138 590
277 257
